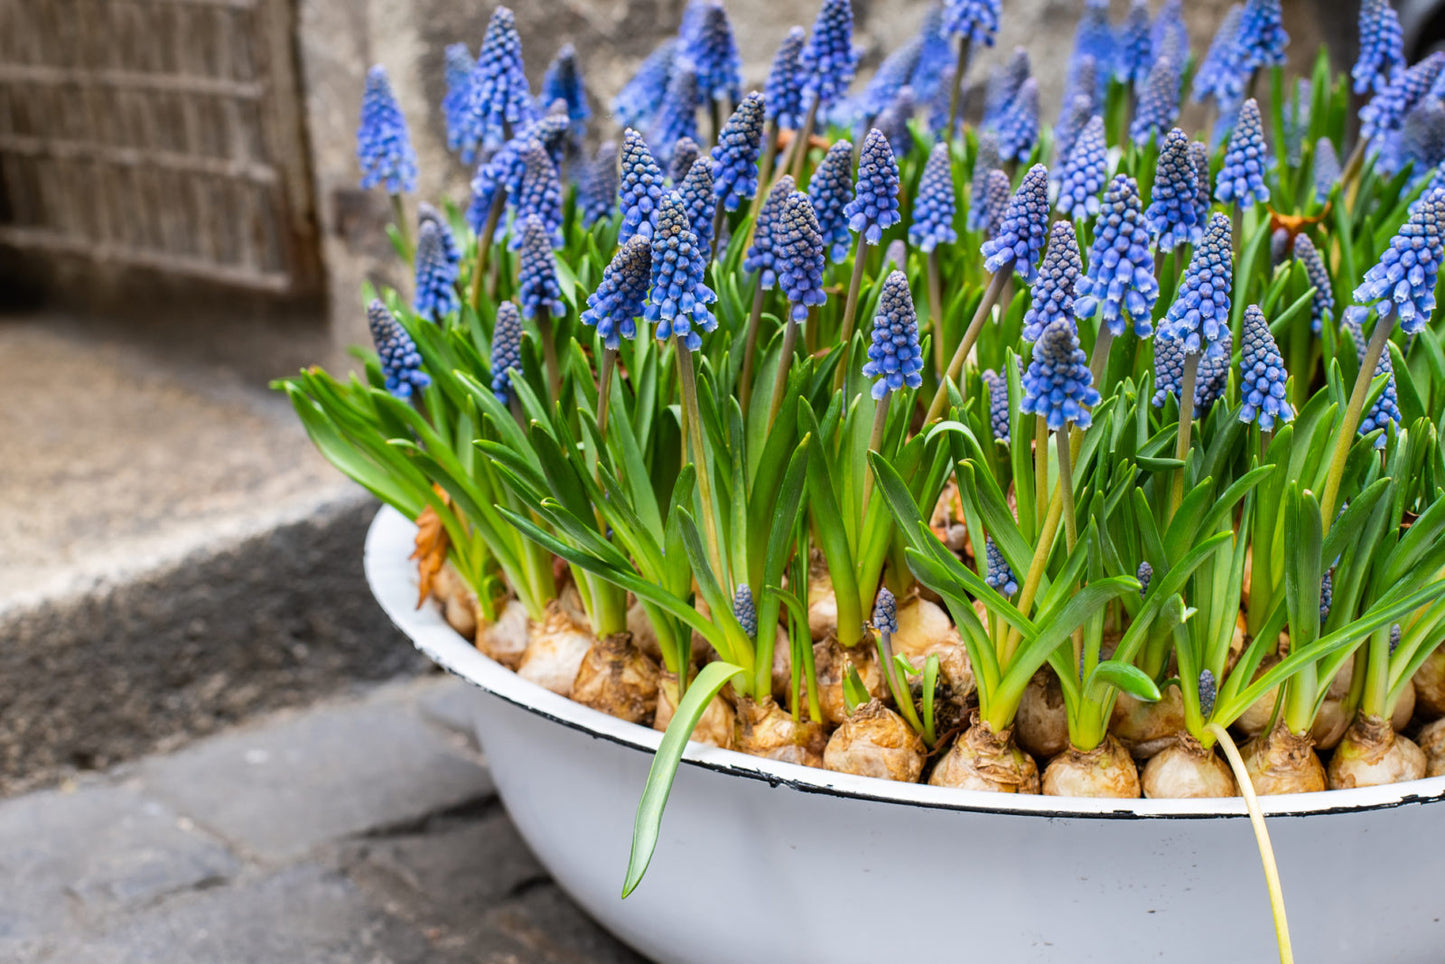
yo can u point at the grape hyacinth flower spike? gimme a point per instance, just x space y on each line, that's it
1172 216
684 152
613 309
1386 410
761 259
1261 39
677 117
1204 200
933 214
1322 305
972 22
1158 103
400 361
894 359
640 188
436 274
458 95
597 186
713 55
799 260
985 159
1053 294
1085 171
830 190
1018 128
1327 168
1059 388
1075 112
735 158
998 575
506 350
540 194
1262 375
1093 37
1221 75
696 191
1241 178
1120 285
826 64
998 413
638 101
1015 247
873 210
1134 52
997 193
1382 52
745 610
501 101
563 82
383 143
782 106
1168 36
427 213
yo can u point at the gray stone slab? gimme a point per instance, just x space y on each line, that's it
554 930
281 789
301 914
70 857
453 705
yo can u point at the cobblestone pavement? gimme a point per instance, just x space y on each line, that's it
362 829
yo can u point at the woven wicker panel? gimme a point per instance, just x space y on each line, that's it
157 133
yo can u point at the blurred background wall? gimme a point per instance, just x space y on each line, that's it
186 167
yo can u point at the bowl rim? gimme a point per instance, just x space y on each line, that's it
393 581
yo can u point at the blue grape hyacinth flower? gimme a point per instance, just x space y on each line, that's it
1204 200
885 611
713 54
1134 51
563 82
1120 286
996 197
1322 305
426 213
735 158
400 361
888 81
1210 378
677 300
506 350
1172 215
1386 410
826 61
1261 38
640 187
1158 104
936 206
540 194
1200 312
1085 171
798 255
998 413
783 92
454 103
1145 575
501 100
1093 37
436 274
1018 238
997 574
1018 127
976 21
986 159
684 152
614 307
1422 137
1402 283
1052 295
874 207
1213 375
1241 178
1381 118
677 117
696 191
745 611
1221 74
830 190
1168 35
1382 47
1262 375
1327 168
1058 384
638 101
597 186
1003 86
537 286
762 255
383 143
894 358
1075 112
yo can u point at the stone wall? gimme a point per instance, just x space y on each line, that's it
338 39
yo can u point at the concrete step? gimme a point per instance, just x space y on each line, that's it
173 554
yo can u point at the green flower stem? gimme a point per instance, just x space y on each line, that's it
1041 468
1344 438
716 115
398 213
955 96
1186 426
785 364
765 174
687 381
955 366
935 311
902 698
549 353
1066 489
1261 837
1350 179
1300 692
750 346
1035 575
850 311
875 444
1099 359
1375 700
801 137
484 244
